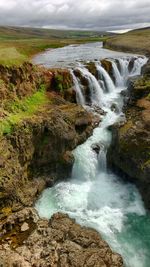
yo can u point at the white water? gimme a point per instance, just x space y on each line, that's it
138 63
102 73
96 92
119 79
124 68
77 87
95 196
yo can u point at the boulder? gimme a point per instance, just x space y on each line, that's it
96 147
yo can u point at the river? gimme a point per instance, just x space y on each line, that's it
94 195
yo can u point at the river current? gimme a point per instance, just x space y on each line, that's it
94 195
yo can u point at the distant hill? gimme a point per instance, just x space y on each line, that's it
21 32
140 29
135 41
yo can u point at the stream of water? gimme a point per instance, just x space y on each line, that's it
93 195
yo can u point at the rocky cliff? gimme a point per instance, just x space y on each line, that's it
130 148
29 241
40 125
38 131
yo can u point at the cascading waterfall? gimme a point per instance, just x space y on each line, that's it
124 63
119 81
102 74
96 92
77 87
138 63
94 196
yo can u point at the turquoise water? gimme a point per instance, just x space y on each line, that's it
95 196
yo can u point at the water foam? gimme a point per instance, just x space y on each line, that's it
96 197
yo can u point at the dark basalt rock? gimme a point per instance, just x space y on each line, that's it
131 65
96 147
114 107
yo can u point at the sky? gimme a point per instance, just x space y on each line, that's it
76 14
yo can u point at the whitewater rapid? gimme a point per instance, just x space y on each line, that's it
93 195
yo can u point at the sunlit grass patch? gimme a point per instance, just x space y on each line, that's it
10 55
21 109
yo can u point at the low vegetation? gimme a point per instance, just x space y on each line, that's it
136 41
22 109
20 44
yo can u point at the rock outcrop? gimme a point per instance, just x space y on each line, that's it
38 132
23 81
41 147
130 148
27 241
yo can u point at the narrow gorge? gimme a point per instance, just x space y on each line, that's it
73 148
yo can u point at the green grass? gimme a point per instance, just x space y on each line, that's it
137 41
15 52
20 44
10 56
17 33
22 109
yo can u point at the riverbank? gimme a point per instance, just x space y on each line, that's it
136 41
19 44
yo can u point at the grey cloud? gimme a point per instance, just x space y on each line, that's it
82 14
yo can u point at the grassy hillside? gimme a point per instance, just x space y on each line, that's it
21 32
18 44
137 41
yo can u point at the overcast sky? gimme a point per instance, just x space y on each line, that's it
82 14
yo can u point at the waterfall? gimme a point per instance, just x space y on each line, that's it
124 63
102 74
119 81
138 63
95 196
122 73
96 92
79 95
